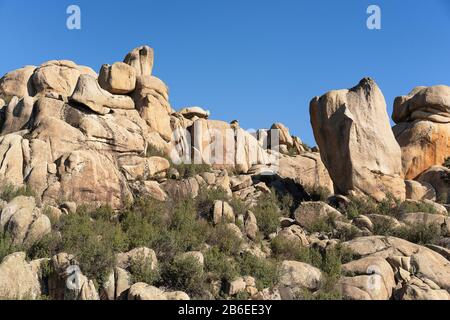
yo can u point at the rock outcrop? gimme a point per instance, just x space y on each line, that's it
356 142
423 128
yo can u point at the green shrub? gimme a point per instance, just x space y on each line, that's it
324 224
287 204
186 231
141 271
6 245
419 233
383 227
146 223
328 290
185 275
318 193
46 247
140 232
190 170
153 151
206 198
239 206
367 205
267 214
265 271
284 249
220 265
94 244
225 239
8 191
412 207
347 234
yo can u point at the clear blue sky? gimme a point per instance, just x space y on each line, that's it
253 60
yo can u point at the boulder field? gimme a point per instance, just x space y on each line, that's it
174 205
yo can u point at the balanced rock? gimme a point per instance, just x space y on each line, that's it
356 142
119 78
423 128
192 112
141 59
89 93
284 137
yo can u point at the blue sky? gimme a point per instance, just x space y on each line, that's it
254 60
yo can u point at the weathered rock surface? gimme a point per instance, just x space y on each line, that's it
89 93
18 278
423 129
17 83
118 78
419 260
24 221
356 142
439 178
309 213
296 276
141 59
306 169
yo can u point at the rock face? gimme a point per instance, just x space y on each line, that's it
141 59
119 78
356 143
408 260
439 178
295 276
65 136
89 93
23 221
18 278
423 128
306 169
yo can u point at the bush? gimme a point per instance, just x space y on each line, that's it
383 227
367 205
6 245
145 223
328 290
412 207
190 170
206 198
225 240
140 232
46 247
239 206
220 265
267 214
9 191
94 244
185 275
318 193
284 249
329 261
322 225
141 271
419 233
153 151
186 231
265 271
